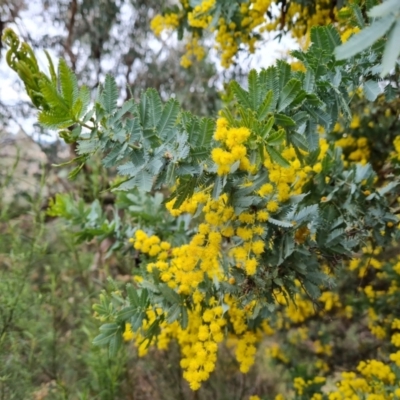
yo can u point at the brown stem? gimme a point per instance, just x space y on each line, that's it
68 43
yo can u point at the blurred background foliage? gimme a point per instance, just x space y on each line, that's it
52 272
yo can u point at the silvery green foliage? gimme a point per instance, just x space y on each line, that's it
155 145
385 20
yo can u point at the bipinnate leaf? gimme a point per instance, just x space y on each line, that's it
288 94
265 106
168 118
241 95
276 138
68 83
109 96
277 157
154 107
254 89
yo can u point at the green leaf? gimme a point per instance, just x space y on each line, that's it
87 146
205 133
276 138
143 181
307 213
126 313
325 37
299 141
184 190
364 39
137 320
392 49
277 157
282 224
319 116
154 107
265 106
173 313
84 98
168 118
371 90
228 116
333 36
54 99
108 331
109 96
313 290
357 14
128 106
169 294
51 68
288 94
68 83
309 81
390 92
270 80
284 120
74 173
200 153
334 237
135 129
300 118
301 96
312 136
254 89
184 317
143 299
128 168
241 95
132 295
386 189
266 128
115 344
53 121
102 339
381 10
284 71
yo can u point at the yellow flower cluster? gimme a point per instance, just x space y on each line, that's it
357 149
274 351
348 32
374 376
251 20
160 23
235 151
223 232
183 267
244 340
193 52
372 379
150 245
300 384
199 344
199 17
163 339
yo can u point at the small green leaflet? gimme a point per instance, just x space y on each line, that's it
109 96
277 157
289 94
276 138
